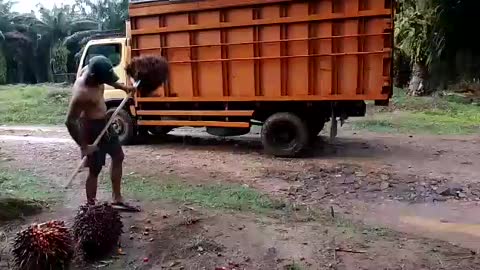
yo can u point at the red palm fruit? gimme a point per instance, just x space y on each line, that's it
34 248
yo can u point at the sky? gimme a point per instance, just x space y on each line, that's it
25 6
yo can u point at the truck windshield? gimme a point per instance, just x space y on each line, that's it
111 51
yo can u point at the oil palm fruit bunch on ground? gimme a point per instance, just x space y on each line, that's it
96 230
46 246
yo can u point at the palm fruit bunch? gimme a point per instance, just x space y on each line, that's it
97 229
45 246
151 70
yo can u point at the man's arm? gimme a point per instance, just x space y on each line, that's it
74 111
121 86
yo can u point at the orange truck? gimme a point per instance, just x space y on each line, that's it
289 66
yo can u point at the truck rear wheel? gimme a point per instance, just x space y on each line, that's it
284 135
123 125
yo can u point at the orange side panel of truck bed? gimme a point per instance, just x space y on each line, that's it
268 50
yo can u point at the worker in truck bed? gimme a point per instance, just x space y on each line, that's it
86 119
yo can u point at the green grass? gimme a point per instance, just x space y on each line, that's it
22 194
215 196
33 104
424 115
419 123
13 208
23 185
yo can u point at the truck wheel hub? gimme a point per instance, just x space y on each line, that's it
118 126
283 134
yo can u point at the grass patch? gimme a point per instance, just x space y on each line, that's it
216 196
424 115
13 208
418 123
21 194
24 186
33 104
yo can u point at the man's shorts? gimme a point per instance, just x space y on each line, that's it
109 144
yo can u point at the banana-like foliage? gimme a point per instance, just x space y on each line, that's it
419 36
417 30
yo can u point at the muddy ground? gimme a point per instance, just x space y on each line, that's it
379 201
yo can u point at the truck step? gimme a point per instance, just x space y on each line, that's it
193 113
179 123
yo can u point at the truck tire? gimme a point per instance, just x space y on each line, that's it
285 135
123 125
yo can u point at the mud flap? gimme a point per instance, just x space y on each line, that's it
333 126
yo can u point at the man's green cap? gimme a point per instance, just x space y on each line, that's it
102 69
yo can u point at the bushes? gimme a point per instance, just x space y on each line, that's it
60 59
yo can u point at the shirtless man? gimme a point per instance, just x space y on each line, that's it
86 118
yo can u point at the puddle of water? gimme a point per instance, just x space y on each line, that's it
442 227
456 223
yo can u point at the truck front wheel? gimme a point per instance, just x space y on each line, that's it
123 125
284 135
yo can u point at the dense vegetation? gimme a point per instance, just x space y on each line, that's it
436 44
434 41
36 45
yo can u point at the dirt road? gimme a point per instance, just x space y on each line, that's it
423 187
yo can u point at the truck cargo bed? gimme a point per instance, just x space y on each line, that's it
268 50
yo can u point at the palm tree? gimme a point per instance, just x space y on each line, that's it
418 35
56 24
16 43
4 9
111 14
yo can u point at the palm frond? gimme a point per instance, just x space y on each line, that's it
83 25
417 32
78 36
17 37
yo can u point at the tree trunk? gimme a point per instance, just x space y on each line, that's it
3 67
50 66
418 85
